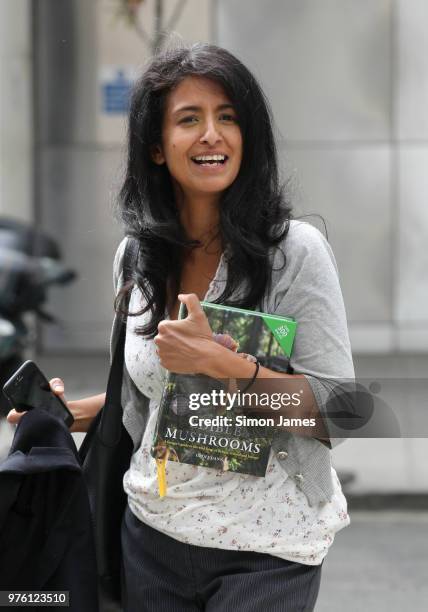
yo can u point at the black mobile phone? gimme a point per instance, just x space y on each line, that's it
28 388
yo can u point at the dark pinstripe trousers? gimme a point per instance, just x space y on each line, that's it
162 574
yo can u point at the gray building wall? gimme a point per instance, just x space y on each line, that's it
16 110
348 85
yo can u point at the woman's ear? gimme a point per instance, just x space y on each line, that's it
157 155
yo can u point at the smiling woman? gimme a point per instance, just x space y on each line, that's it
202 198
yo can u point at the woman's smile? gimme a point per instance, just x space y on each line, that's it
213 160
210 163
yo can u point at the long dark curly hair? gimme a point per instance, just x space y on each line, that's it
254 214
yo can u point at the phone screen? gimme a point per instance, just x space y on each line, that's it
28 388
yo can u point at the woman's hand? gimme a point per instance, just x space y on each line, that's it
187 346
83 410
57 387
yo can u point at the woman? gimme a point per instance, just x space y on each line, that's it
202 196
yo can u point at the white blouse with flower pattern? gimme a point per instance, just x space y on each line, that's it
206 507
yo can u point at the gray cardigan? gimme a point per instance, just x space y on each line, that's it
306 289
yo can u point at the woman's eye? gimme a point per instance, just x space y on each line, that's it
224 117
227 117
189 119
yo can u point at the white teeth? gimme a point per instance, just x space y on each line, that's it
209 157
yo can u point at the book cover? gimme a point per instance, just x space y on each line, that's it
202 420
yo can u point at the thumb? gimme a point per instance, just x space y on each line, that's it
57 387
192 303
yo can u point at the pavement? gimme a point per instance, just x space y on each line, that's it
377 564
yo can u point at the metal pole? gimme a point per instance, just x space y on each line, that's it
158 27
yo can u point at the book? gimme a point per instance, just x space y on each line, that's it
202 421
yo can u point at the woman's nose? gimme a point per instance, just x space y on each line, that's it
211 133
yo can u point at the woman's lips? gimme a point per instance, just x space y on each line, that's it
211 167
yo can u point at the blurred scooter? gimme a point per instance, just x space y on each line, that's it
30 263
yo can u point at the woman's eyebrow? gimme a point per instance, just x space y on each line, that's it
193 108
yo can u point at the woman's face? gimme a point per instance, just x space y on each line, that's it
201 140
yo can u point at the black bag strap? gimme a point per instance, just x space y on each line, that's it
110 429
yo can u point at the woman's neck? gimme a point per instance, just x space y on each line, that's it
199 217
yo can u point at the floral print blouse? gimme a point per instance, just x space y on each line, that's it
217 509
